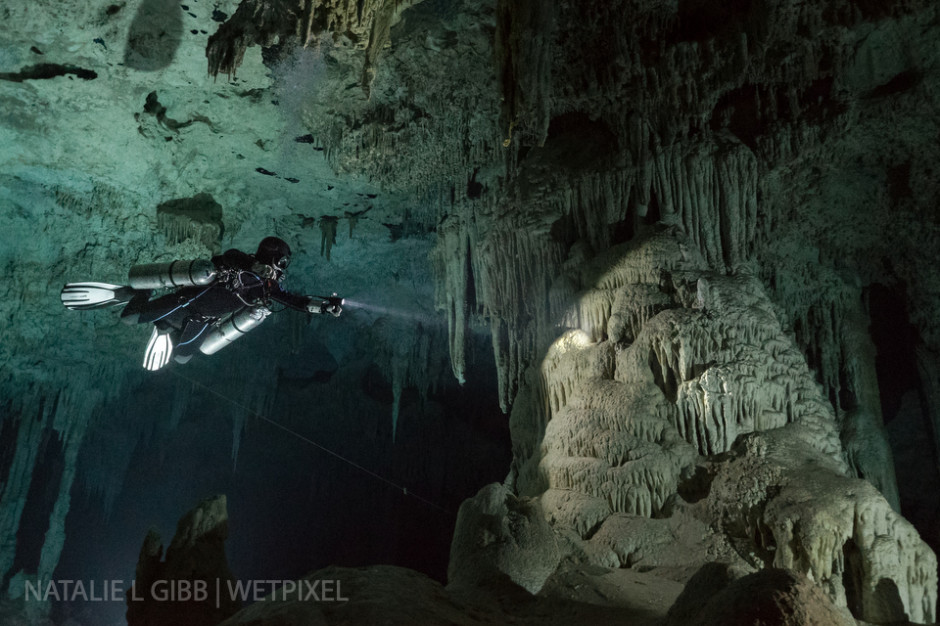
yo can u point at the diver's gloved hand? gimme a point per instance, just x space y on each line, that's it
325 306
332 305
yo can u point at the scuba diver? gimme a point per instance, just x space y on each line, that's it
214 303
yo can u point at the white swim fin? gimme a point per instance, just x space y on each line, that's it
84 296
159 349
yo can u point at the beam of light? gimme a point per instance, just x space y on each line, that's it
393 312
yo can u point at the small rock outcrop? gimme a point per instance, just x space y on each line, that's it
170 592
773 597
500 532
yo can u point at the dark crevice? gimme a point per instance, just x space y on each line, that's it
622 231
668 384
899 182
847 398
895 339
590 532
564 231
475 189
44 71
749 111
701 20
9 430
853 577
653 213
697 486
577 141
899 83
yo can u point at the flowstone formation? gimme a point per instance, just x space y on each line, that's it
680 425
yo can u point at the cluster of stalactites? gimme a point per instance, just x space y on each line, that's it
506 265
411 355
178 229
262 22
826 312
37 414
483 275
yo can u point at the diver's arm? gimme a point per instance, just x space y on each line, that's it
300 303
307 303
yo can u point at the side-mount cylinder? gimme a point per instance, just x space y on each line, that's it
170 275
234 327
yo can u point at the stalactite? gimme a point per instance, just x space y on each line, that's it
182 392
453 294
250 401
198 218
410 355
63 409
524 35
255 22
179 229
712 193
510 270
32 412
74 413
327 225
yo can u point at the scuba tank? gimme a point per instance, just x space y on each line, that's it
198 272
234 327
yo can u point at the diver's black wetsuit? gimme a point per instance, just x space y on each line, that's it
191 310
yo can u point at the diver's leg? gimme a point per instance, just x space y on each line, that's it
192 336
172 308
131 312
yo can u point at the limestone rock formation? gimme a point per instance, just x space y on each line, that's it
165 590
500 534
614 429
794 510
772 596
